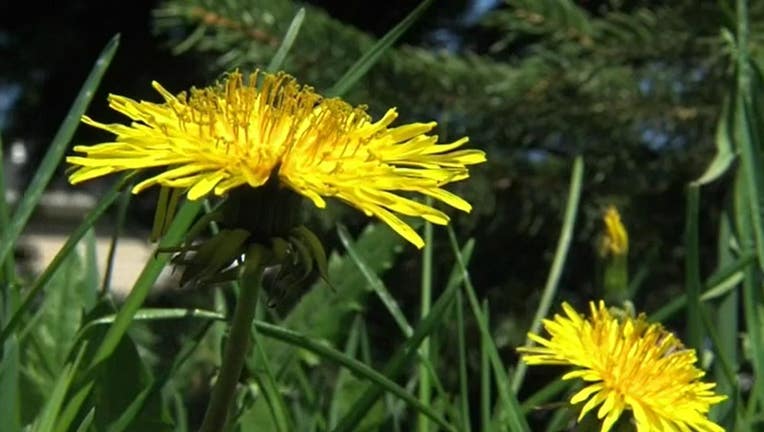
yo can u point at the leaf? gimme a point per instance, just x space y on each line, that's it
10 397
87 421
121 384
269 386
46 421
724 152
350 389
71 293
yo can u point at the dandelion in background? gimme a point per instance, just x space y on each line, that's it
236 134
613 252
615 238
627 363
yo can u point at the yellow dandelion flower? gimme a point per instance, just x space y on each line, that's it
237 134
627 363
615 239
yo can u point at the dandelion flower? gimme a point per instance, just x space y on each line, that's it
238 134
615 239
627 363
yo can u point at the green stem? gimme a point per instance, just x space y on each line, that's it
124 200
425 390
236 348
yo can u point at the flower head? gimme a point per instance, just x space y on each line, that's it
615 239
238 134
627 363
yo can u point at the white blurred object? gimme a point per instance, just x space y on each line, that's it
18 154
130 257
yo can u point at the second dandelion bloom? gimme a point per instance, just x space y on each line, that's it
615 238
241 134
627 363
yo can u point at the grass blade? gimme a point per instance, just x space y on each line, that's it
374 281
268 383
360 67
692 269
563 244
120 223
727 319
425 389
351 348
545 394
511 408
10 400
87 421
486 421
724 148
752 296
158 314
749 196
454 280
395 365
8 266
46 421
752 173
294 29
718 284
464 402
387 299
153 390
57 148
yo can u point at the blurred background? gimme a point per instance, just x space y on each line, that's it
635 87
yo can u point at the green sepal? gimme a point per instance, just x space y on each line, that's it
317 252
304 256
212 256
202 224
160 213
616 279
167 204
280 249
